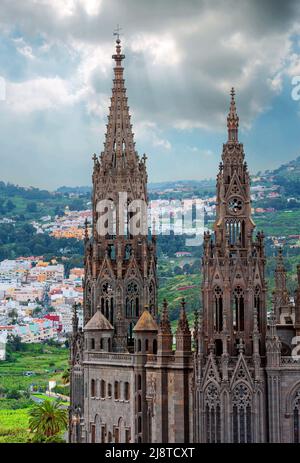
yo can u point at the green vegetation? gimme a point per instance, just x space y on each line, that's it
24 205
279 223
16 390
20 239
14 426
44 361
48 420
21 203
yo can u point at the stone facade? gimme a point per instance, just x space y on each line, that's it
241 380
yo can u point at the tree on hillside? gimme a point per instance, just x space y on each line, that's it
31 207
13 315
66 377
178 270
77 205
10 205
14 343
48 420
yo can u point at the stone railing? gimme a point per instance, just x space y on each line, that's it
151 358
287 361
109 357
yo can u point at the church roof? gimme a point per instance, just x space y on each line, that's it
98 322
146 322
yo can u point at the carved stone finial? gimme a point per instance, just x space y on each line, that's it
165 326
183 326
232 119
241 346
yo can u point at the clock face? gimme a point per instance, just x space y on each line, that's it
235 205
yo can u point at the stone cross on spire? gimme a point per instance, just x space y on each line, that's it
232 119
117 31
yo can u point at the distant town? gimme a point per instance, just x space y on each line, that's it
36 296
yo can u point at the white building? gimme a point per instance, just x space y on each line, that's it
3 340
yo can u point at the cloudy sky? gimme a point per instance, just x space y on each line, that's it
182 57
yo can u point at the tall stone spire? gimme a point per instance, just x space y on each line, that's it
232 120
119 146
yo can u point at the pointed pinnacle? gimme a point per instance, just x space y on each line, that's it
183 326
165 326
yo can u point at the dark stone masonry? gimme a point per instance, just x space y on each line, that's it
241 382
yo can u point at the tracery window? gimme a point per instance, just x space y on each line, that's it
234 230
107 301
242 421
296 417
132 300
218 318
238 309
212 414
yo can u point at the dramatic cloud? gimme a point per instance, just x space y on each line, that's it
182 57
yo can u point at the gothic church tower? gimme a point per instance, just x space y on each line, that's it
231 334
120 280
120 265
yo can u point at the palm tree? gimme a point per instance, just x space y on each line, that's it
48 419
66 376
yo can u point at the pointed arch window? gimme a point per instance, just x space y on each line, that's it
242 414
238 309
107 301
234 229
218 314
132 300
296 417
114 159
212 414
112 251
126 391
130 339
127 251
155 346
